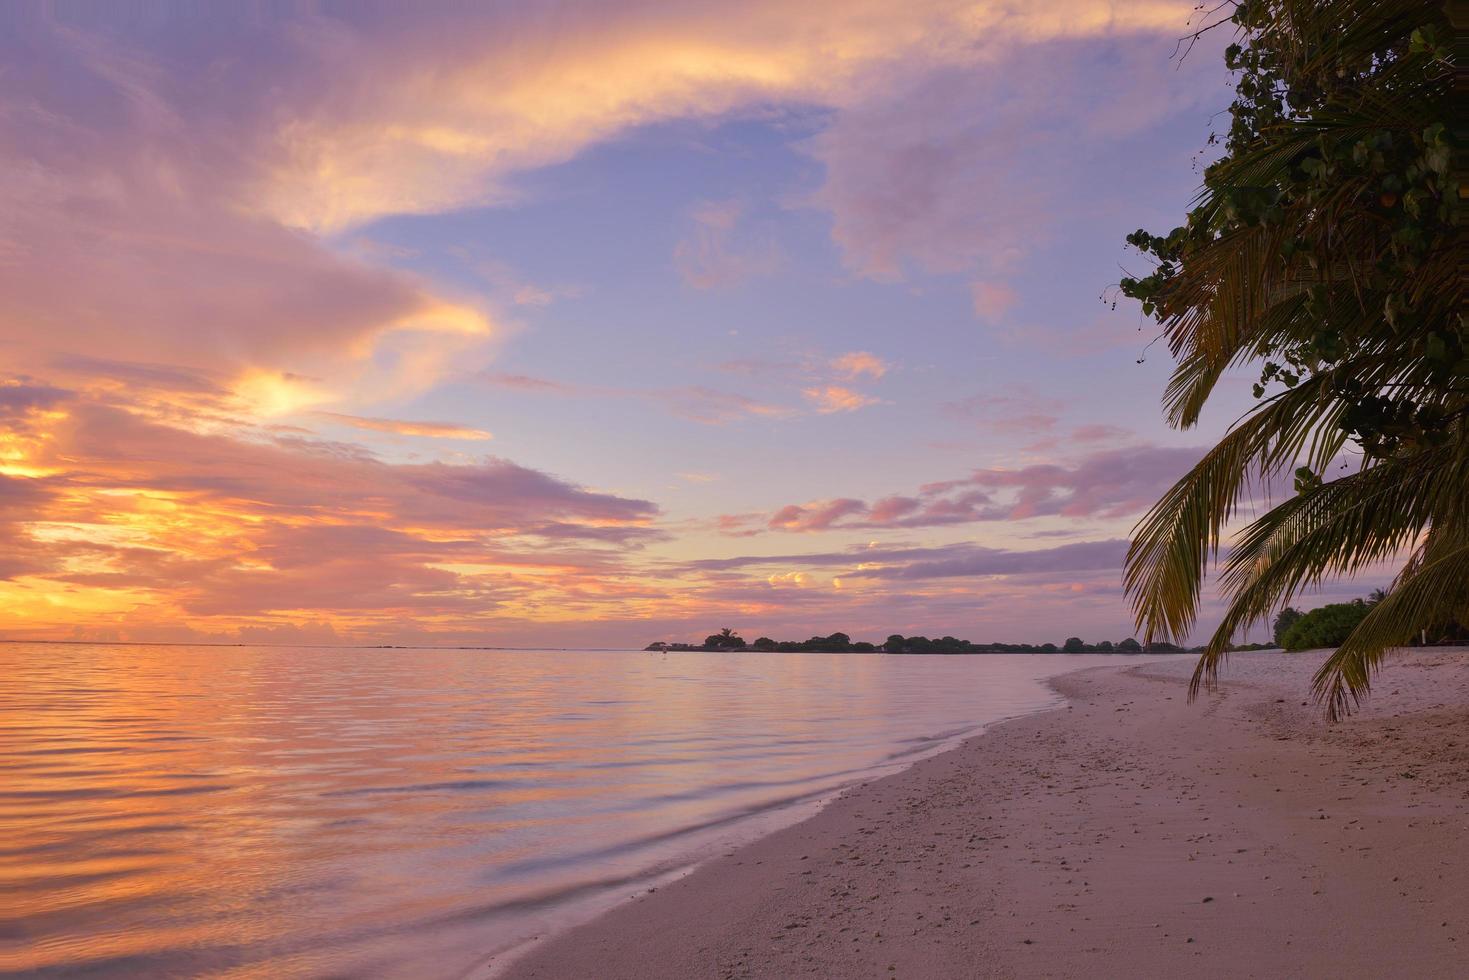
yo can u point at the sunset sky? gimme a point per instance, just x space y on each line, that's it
585 323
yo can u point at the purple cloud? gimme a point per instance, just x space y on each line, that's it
1111 484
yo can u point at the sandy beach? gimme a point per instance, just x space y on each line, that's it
1128 833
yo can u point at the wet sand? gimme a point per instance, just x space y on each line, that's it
1126 834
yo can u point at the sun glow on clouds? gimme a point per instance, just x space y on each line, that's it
437 430
406 140
183 311
857 363
829 399
269 394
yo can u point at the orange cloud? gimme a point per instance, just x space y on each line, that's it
128 522
437 430
857 363
830 399
171 258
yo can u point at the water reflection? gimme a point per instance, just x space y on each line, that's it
277 811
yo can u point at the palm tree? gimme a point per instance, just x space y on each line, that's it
1326 249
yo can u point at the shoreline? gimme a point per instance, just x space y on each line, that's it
1123 831
501 962
746 831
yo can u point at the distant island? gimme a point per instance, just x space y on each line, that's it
728 641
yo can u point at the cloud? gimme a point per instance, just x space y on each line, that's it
709 258
523 382
1105 485
966 167
696 403
713 407
825 383
1085 556
18 399
815 517
992 299
189 202
1098 433
132 200
368 132
856 363
830 399
944 561
796 580
767 367
1110 484
189 181
1024 413
437 430
506 282
112 512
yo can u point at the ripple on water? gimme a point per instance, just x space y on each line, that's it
276 811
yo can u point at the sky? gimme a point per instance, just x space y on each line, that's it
561 324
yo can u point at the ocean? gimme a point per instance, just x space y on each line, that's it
281 812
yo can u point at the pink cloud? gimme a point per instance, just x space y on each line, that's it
710 257
523 382
1098 433
712 406
1107 485
965 170
830 399
815 517
943 561
856 363
992 299
1025 414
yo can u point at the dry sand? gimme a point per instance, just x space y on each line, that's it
1129 834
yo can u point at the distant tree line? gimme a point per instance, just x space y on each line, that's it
1327 626
728 640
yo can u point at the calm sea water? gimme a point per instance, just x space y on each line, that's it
306 812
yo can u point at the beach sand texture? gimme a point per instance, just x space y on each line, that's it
1127 834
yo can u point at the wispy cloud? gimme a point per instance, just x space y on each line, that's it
191 281
1105 485
710 256
437 430
523 382
712 406
697 403
944 561
992 299
829 399
855 364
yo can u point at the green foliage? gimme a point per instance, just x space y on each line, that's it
1325 249
1129 645
1073 644
1284 620
1328 626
